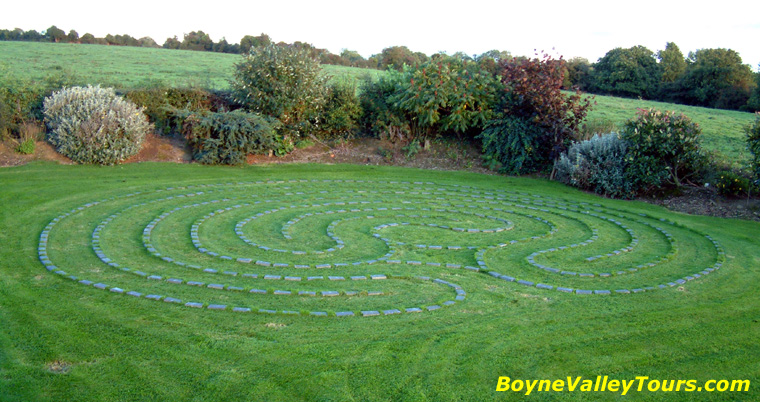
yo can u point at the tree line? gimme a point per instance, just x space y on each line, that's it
715 78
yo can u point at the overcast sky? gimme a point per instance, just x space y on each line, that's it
572 28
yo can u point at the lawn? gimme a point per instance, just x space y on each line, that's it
342 282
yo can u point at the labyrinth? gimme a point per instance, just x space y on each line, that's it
362 248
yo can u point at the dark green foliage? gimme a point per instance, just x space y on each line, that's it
730 184
227 138
161 104
514 142
631 73
249 42
577 74
672 62
197 40
380 117
446 94
599 165
283 82
55 34
397 57
753 143
172 43
715 78
342 110
664 148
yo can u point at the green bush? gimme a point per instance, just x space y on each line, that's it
598 165
514 143
753 143
730 184
342 110
283 82
94 125
379 115
161 104
227 138
664 148
446 94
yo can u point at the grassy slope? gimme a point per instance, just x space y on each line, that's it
126 66
120 348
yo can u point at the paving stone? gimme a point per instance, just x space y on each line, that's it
413 310
265 311
282 292
566 290
154 297
433 307
524 282
293 278
100 285
194 283
583 292
194 305
259 291
217 307
155 277
351 293
172 300
544 286
336 278
374 293
602 292
622 291
370 313
378 277
134 294
174 280
216 286
344 313
235 288
272 277
330 293
358 278
306 293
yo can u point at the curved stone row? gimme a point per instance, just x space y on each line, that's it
466 193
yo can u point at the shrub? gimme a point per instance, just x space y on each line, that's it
283 82
342 110
599 165
26 147
730 184
533 93
753 143
161 104
446 94
227 138
94 125
664 147
514 143
379 115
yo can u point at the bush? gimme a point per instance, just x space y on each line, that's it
26 147
730 184
753 143
664 148
161 104
227 138
446 94
94 125
599 165
379 116
514 143
342 111
283 82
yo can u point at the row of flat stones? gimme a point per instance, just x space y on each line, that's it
460 293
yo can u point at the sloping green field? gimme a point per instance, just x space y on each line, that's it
125 67
357 283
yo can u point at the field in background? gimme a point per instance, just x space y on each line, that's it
126 67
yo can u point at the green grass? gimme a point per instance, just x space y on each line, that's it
62 340
722 130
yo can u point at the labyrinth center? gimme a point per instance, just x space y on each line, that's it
362 248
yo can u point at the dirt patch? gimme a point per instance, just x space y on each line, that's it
58 367
448 154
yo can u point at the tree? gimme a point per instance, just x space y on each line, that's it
87 38
249 42
717 78
577 74
197 40
754 100
631 73
147 41
172 43
54 34
72 37
397 56
672 62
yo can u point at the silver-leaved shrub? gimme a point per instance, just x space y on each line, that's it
94 125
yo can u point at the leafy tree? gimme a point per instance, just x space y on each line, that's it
197 40
249 42
672 62
533 94
172 43
446 94
716 78
72 37
87 39
631 72
147 41
397 56
283 82
577 74
54 34
754 100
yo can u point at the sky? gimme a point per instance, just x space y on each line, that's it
580 28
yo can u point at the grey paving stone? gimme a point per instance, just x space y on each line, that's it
283 292
544 286
524 282
195 283
583 292
330 293
217 286
194 305
259 291
358 278
272 277
154 297
235 288
172 300
265 311
566 290
100 285
318 313
378 277
351 293
638 290
374 293
413 310
622 291
293 278
449 303
174 280
433 307
602 292
217 307
336 278
344 313
155 277
311 278
370 313
306 293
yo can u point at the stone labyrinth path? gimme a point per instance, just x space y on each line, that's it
362 248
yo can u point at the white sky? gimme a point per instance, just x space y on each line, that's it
573 28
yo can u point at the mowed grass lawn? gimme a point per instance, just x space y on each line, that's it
61 340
